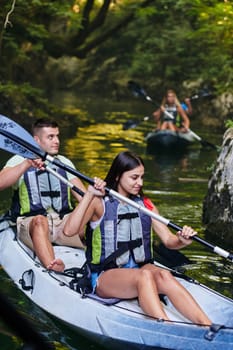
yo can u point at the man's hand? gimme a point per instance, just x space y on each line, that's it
37 163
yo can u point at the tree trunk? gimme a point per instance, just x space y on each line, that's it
218 202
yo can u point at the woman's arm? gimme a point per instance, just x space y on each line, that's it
170 240
157 115
189 105
89 209
185 118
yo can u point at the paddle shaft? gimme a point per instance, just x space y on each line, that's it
65 181
34 148
141 208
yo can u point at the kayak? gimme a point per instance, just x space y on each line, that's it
113 323
168 141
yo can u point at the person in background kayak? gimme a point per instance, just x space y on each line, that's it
171 115
40 202
187 106
119 243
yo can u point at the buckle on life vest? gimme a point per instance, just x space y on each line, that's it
127 216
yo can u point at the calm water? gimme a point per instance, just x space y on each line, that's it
176 184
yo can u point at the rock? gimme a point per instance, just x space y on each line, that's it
218 202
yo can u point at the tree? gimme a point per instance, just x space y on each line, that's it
38 29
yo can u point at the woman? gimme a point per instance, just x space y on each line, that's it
171 115
114 225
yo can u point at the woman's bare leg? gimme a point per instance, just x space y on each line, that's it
179 296
132 283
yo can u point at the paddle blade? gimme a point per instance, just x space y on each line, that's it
130 124
16 140
136 89
12 147
202 93
171 258
205 143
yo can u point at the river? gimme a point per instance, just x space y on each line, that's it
176 184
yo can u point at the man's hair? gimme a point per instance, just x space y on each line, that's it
43 123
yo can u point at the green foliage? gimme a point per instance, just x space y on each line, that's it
162 42
229 123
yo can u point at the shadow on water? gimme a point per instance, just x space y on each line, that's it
167 162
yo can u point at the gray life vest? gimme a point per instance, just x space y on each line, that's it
121 225
40 192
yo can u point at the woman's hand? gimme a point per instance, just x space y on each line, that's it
98 189
183 129
186 234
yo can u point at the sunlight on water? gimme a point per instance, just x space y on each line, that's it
94 147
176 184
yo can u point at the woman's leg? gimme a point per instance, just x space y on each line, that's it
163 126
132 283
167 125
179 296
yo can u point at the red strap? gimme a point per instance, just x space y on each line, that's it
148 204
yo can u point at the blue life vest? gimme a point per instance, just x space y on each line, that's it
121 225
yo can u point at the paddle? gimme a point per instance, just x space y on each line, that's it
29 143
139 91
131 124
170 257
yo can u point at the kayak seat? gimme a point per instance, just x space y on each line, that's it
81 283
104 301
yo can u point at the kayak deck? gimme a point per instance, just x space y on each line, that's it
116 324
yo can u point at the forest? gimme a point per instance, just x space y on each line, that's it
99 45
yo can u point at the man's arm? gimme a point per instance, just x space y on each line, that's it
11 174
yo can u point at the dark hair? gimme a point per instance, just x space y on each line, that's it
43 123
124 161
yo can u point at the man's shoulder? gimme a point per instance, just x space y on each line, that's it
65 160
15 160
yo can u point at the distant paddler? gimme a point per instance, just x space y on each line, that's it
171 115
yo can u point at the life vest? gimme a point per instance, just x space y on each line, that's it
121 225
173 111
39 192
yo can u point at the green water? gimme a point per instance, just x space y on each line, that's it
177 185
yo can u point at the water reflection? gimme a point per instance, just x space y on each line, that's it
171 182
94 147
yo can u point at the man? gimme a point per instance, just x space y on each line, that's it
41 203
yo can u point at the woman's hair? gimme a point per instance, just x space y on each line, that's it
123 162
170 91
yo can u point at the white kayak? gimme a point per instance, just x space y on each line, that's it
113 324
